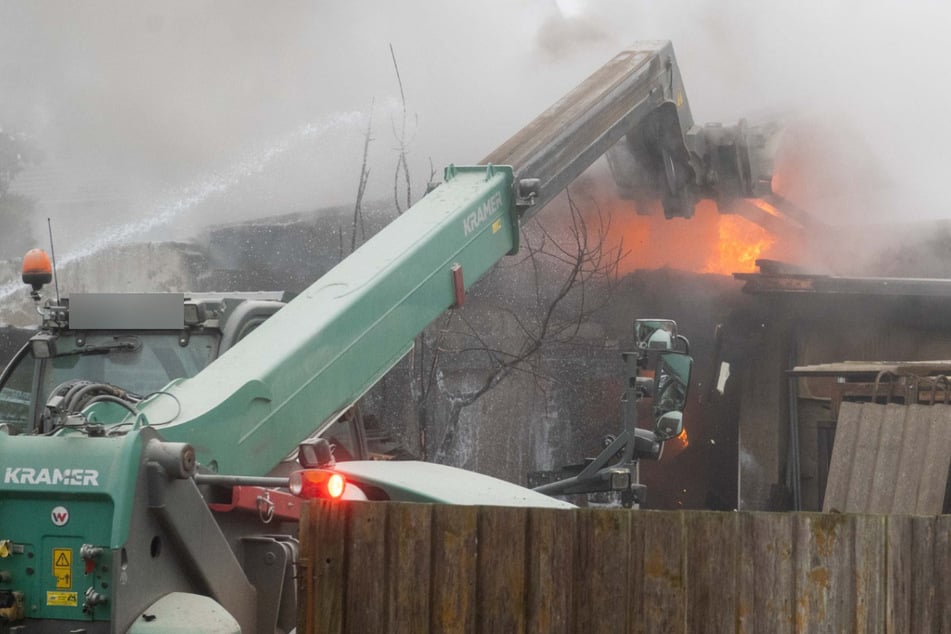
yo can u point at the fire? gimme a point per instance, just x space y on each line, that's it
741 244
676 445
710 242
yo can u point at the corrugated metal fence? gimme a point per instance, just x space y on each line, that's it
372 567
890 459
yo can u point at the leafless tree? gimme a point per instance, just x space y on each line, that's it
559 308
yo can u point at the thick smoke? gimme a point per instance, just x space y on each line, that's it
248 109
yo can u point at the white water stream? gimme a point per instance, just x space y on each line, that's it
189 198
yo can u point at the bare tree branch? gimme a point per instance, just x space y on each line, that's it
362 187
588 261
402 165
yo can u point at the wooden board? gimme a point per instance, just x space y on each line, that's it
420 568
551 561
602 543
454 534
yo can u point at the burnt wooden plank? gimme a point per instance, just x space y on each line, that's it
840 466
885 467
663 604
328 537
500 601
863 457
407 567
711 553
937 459
601 570
366 551
765 583
551 562
454 535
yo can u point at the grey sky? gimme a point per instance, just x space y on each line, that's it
252 108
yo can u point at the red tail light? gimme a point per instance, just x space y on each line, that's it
317 483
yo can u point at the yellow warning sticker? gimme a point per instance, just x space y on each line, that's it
62 557
62 568
67 599
496 225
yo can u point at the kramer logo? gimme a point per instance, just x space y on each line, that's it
72 477
486 210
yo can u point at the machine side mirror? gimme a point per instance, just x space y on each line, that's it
669 425
671 381
654 334
315 453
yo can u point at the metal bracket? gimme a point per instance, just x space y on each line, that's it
265 507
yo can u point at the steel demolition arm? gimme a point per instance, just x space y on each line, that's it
570 136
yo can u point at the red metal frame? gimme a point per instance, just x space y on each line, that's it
286 507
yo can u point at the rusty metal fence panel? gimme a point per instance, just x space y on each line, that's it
371 567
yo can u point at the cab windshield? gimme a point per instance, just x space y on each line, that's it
142 363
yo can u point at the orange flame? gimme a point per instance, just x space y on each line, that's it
741 244
710 242
676 445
